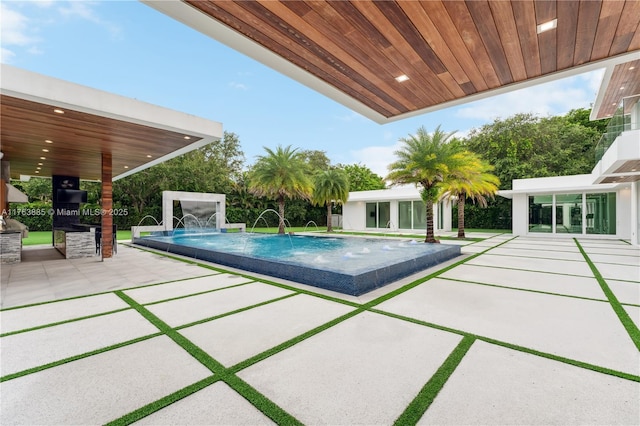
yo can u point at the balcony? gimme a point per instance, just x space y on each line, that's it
618 151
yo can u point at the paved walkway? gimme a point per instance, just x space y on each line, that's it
517 331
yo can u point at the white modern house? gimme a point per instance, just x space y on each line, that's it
398 209
602 204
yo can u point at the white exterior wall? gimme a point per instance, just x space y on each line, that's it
520 215
354 210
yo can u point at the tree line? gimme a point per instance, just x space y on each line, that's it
521 146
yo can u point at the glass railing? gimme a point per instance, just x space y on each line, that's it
620 122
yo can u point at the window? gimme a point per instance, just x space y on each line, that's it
569 213
378 215
419 215
540 213
404 214
573 213
601 213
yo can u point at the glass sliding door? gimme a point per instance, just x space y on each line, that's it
569 213
384 215
540 213
378 215
419 215
404 214
601 213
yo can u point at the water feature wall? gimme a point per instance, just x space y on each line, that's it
199 214
199 209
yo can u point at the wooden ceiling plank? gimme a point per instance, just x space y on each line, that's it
524 13
547 41
610 15
588 15
566 33
404 54
328 20
404 25
227 12
438 15
362 85
464 23
508 32
431 35
485 23
627 36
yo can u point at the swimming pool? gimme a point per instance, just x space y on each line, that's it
345 264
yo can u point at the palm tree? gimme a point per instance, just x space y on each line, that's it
470 177
424 161
330 185
279 175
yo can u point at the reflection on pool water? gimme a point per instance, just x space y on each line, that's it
345 264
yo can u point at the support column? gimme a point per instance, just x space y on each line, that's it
635 220
106 243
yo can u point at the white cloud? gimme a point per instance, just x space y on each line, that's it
239 86
556 97
15 27
376 158
6 55
84 10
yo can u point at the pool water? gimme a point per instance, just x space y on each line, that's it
349 265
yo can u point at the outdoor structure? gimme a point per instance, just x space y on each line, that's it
397 210
52 127
200 210
604 203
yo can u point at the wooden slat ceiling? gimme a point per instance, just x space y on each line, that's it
78 140
448 49
625 82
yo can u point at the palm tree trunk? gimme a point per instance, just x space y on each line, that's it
430 238
329 227
281 213
461 216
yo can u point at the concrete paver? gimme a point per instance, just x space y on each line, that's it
237 337
365 370
506 387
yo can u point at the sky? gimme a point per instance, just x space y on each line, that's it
130 49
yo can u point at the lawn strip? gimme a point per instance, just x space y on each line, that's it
53 324
524 349
416 409
101 293
287 344
226 314
524 289
184 296
75 358
161 403
203 357
261 402
625 319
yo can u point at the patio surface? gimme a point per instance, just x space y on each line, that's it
515 331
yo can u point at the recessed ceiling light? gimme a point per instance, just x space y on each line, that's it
622 88
546 26
126 167
48 141
45 150
37 171
43 158
58 111
38 168
402 78
148 156
632 67
39 164
187 137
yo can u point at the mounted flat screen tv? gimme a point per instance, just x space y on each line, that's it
74 196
